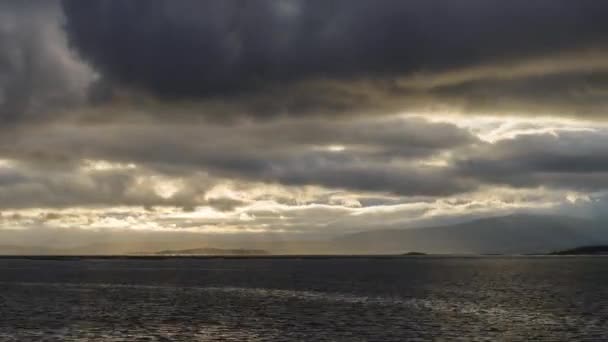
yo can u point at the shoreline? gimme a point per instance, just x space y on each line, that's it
283 256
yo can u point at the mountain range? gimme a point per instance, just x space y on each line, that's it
512 234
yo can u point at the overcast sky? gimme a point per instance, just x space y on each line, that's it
305 119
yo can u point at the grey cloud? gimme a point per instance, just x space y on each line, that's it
571 160
220 46
26 185
224 204
568 93
377 155
188 59
38 74
268 57
406 157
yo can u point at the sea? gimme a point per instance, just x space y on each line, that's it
425 298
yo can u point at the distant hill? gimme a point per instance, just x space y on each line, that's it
511 234
214 251
414 254
584 250
26 250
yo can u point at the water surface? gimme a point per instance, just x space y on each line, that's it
333 299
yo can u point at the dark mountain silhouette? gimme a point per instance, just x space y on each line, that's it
511 234
584 250
214 251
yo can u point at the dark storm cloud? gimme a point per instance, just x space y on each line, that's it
38 74
201 47
194 49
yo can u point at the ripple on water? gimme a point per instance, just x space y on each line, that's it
347 309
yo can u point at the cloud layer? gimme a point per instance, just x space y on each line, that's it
310 118
402 156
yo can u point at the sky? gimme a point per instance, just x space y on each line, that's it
296 119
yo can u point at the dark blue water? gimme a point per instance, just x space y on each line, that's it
426 298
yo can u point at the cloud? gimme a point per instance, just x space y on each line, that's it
176 164
217 47
298 57
326 116
39 75
571 159
261 223
183 60
369 155
26 185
